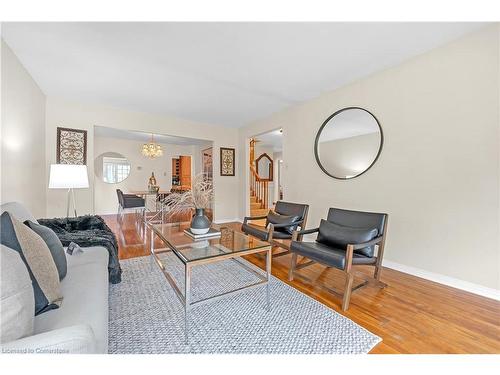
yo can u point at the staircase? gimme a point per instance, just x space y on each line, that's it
256 207
259 194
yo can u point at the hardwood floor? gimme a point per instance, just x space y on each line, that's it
412 315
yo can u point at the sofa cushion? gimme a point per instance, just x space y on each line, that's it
85 291
340 236
36 255
17 305
276 218
54 244
88 231
93 254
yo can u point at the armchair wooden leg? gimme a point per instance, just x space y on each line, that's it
378 270
293 264
376 277
347 291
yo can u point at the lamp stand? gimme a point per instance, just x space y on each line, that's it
71 197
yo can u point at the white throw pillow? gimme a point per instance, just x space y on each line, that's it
17 308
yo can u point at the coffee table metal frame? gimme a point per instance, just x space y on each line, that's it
185 298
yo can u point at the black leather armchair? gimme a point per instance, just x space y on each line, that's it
346 239
280 224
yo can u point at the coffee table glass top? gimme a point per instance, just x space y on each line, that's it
190 250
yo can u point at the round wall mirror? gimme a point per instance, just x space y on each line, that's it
348 143
111 167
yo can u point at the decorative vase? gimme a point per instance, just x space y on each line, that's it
200 223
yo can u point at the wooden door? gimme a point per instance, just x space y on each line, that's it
185 172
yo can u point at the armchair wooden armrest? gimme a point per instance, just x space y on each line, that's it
247 218
368 243
282 225
351 247
297 233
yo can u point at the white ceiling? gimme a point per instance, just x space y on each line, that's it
102 131
218 73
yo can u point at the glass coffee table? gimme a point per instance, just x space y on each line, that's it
230 245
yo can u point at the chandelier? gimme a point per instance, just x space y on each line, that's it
152 149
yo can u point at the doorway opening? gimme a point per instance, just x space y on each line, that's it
266 173
120 164
181 173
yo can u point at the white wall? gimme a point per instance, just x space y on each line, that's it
259 150
84 116
105 200
438 174
23 137
277 156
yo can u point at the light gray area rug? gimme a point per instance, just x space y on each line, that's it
145 315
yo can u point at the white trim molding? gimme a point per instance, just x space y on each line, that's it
445 280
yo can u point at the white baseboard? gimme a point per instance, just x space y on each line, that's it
446 280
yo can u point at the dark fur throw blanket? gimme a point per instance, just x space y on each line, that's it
88 230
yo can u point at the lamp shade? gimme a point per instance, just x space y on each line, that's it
66 176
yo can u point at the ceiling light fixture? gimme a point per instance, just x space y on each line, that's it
152 150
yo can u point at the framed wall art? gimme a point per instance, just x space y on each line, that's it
71 146
227 161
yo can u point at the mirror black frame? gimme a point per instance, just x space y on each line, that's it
271 166
316 141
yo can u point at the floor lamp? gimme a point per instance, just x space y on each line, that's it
68 176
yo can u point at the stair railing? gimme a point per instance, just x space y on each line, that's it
259 188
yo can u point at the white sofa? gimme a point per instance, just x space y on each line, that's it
80 325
